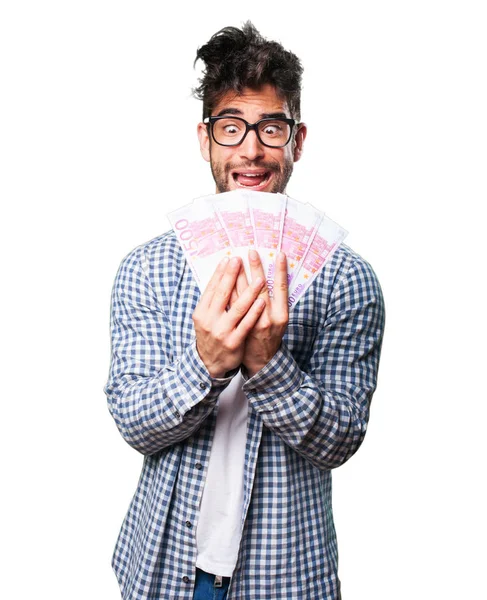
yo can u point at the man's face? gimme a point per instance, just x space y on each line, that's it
251 165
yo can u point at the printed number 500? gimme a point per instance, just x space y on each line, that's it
185 235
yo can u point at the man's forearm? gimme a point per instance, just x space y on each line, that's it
155 411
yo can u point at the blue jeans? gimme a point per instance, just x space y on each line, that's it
204 587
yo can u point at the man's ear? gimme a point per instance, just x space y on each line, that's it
202 131
299 141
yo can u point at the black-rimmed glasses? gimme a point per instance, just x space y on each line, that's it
231 131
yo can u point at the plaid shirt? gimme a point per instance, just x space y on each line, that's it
308 412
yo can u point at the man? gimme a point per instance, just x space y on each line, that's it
240 410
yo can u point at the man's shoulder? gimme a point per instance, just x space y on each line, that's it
157 268
347 258
346 267
160 261
161 250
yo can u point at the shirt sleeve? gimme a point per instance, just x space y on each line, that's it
155 399
322 412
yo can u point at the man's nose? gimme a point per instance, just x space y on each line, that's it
251 148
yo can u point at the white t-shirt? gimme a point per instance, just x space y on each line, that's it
219 524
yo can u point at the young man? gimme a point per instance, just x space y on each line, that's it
241 412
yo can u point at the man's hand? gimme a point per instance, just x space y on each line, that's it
264 339
221 333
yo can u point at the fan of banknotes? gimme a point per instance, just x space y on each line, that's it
231 223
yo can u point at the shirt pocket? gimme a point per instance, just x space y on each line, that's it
299 338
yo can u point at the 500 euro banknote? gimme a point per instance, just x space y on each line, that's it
326 240
234 215
267 213
301 222
202 237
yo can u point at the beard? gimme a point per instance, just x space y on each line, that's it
281 173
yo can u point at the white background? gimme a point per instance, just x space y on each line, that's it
98 143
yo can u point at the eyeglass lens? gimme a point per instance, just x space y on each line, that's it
231 131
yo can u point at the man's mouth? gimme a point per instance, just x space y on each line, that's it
251 179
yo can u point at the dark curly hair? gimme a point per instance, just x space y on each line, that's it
236 59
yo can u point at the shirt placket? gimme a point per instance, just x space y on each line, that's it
191 481
254 436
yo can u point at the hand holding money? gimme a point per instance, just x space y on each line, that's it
221 333
228 224
265 337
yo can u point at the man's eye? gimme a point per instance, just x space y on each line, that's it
231 129
273 129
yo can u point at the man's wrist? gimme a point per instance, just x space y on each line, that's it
228 375
253 368
251 371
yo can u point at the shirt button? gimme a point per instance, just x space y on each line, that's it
177 414
189 524
186 579
203 385
199 466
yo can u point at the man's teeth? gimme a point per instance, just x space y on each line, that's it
243 179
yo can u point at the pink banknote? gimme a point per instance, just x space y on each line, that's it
234 214
202 237
267 214
301 222
326 240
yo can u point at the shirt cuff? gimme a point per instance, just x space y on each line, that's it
281 377
192 382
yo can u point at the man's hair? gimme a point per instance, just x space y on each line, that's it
236 59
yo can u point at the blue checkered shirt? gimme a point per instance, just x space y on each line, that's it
308 413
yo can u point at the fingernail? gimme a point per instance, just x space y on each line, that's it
282 257
253 254
235 261
258 281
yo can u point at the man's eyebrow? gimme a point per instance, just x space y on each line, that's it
229 111
274 115
238 112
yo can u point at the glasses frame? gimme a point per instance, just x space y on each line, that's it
209 121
